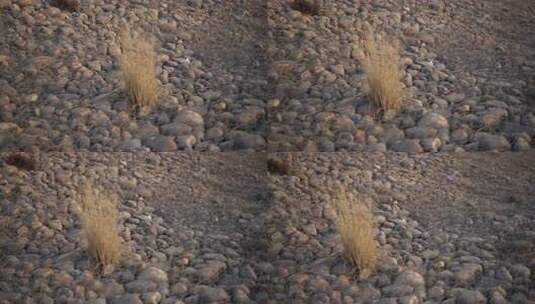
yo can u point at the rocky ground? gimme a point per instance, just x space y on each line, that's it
452 228
214 228
468 69
60 89
262 77
185 222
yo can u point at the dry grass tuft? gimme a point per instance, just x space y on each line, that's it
98 214
381 63
307 7
21 161
356 226
138 68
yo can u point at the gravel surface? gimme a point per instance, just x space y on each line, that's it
259 75
60 88
452 228
467 67
214 228
264 91
185 221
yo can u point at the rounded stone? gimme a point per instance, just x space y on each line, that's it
153 274
411 278
190 118
433 120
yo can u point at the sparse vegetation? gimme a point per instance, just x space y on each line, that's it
381 61
355 224
138 68
98 214
20 161
307 7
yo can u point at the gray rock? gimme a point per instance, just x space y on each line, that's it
186 141
240 296
172 300
410 278
141 286
388 301
248 272
190 118
459 136
368 294
326 145
8 127
176 129
249 141
408 145
497 297
154 274
250 117
431 144
397 290
467 296
521 144
379 147
392 135
467 274
127 299
130 145
179 289
436 293
433 120
152 297
112 289
147 129
421 132
504 275
161 143
209 294
214 134
490 142
493 117
409 300
520 272
211 271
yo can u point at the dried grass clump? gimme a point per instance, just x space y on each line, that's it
138 68
356 225
98 214
381 63
307 7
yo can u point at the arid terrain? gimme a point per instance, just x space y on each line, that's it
185 219
61 87
451 228
260 75
467 66
216 228
267 151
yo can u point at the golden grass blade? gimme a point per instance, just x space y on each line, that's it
98 215
381 62
138 69
356 225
